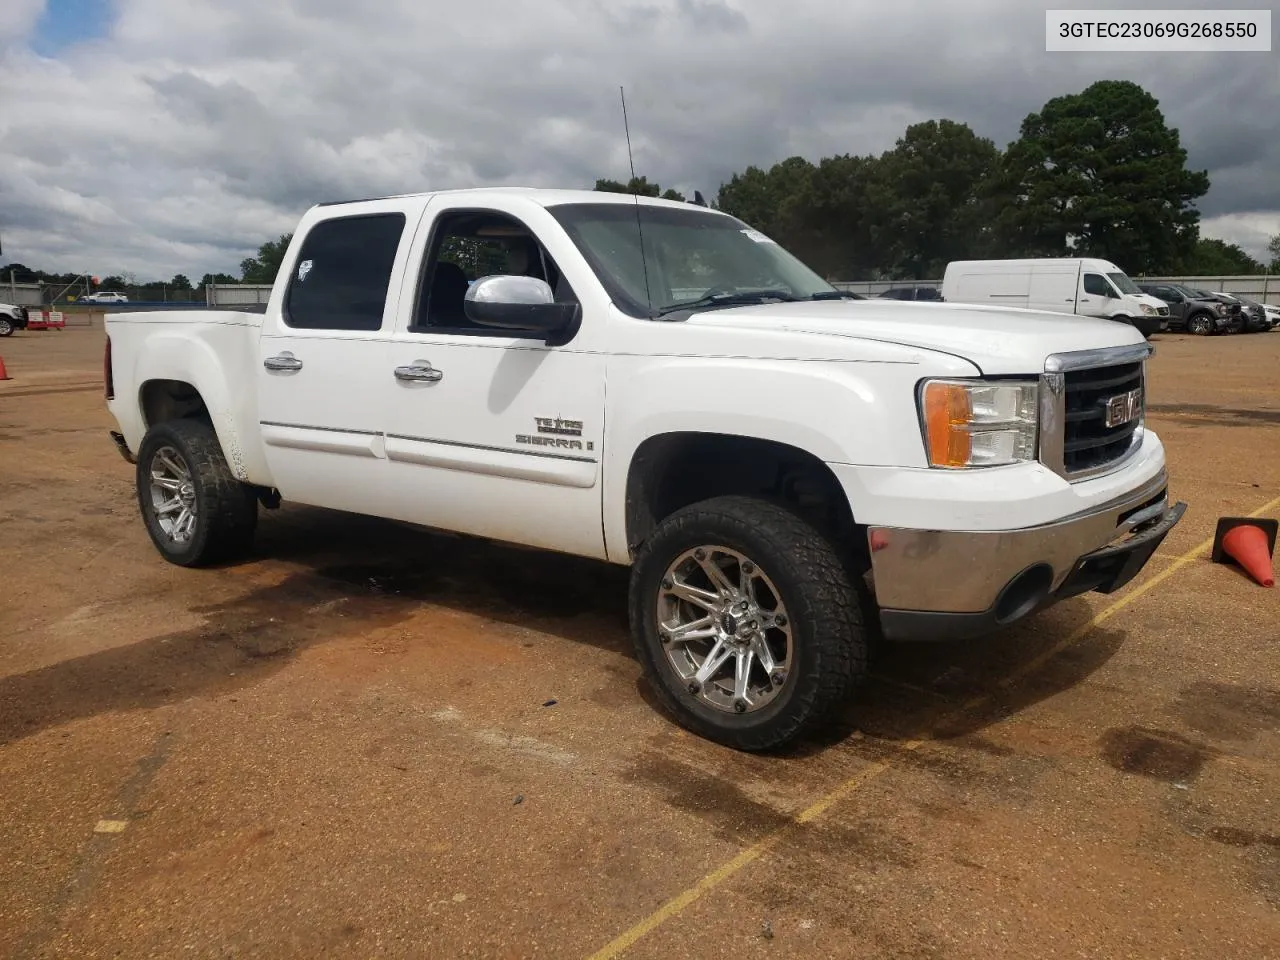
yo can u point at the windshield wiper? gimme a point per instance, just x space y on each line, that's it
735 298
836 295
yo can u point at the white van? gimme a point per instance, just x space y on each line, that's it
1076 285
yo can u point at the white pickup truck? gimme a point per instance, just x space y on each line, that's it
788 471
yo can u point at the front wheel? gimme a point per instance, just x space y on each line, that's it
1200 325
6 326
195 510
745 622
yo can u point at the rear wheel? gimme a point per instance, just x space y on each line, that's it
6 326
195 510
746 623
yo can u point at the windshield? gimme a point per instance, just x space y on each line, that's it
689 254
1124 283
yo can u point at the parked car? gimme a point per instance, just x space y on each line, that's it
1233 302
1190 311
103 296
1078 286
1255 314
1272 312
12 317
912 293
787 472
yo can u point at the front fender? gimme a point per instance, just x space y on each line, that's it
842 412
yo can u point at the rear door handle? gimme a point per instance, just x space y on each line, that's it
420 372
286 361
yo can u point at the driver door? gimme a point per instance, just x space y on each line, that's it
492 432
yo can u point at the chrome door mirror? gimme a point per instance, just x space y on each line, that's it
518 303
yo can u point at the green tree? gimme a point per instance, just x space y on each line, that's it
1217 257
180 282
211 278
830 215
760 197
639 186
1273 248
264 267
1100 173
934 198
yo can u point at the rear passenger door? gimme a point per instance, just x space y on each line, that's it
323 346
1177 303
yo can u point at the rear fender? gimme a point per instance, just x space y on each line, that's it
177 355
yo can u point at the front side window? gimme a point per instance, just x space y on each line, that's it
1096 286
467 245
342 274
688 255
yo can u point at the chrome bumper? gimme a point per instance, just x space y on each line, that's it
937 584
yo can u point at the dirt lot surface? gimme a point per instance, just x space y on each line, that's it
377 741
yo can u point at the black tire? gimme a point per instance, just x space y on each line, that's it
1144 327
6 327
1200 324
829 641
226 510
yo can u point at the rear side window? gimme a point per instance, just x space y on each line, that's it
342 274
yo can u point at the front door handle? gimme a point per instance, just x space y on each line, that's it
286 361
421 371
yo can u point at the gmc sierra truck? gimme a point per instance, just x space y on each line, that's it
788 472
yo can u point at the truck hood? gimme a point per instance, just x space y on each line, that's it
998 340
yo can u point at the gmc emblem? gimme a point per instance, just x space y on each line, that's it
1123 408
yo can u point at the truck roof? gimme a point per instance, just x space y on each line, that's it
545 196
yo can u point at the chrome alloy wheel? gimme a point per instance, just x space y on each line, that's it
173 495
724 628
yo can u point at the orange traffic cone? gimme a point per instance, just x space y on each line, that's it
4 374
1250 542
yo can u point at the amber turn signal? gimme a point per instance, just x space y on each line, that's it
947 414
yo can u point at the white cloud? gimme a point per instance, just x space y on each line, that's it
200 128
1250 230
17 19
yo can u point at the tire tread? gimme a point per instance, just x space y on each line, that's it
826 599
227 507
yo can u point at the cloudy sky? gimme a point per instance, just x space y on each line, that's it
164 136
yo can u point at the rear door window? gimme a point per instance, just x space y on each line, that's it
343 272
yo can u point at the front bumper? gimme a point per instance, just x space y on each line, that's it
948 584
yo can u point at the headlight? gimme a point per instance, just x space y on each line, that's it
1147 309
977 424
1221 308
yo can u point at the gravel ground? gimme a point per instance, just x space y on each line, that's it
347 746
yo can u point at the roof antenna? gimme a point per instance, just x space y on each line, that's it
643 261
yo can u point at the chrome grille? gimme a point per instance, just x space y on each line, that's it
1162 311
1078 438
1087 442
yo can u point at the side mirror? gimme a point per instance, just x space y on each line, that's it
520 303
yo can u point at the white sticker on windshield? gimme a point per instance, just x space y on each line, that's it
757 236
303 269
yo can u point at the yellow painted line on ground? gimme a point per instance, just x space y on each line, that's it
677 904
